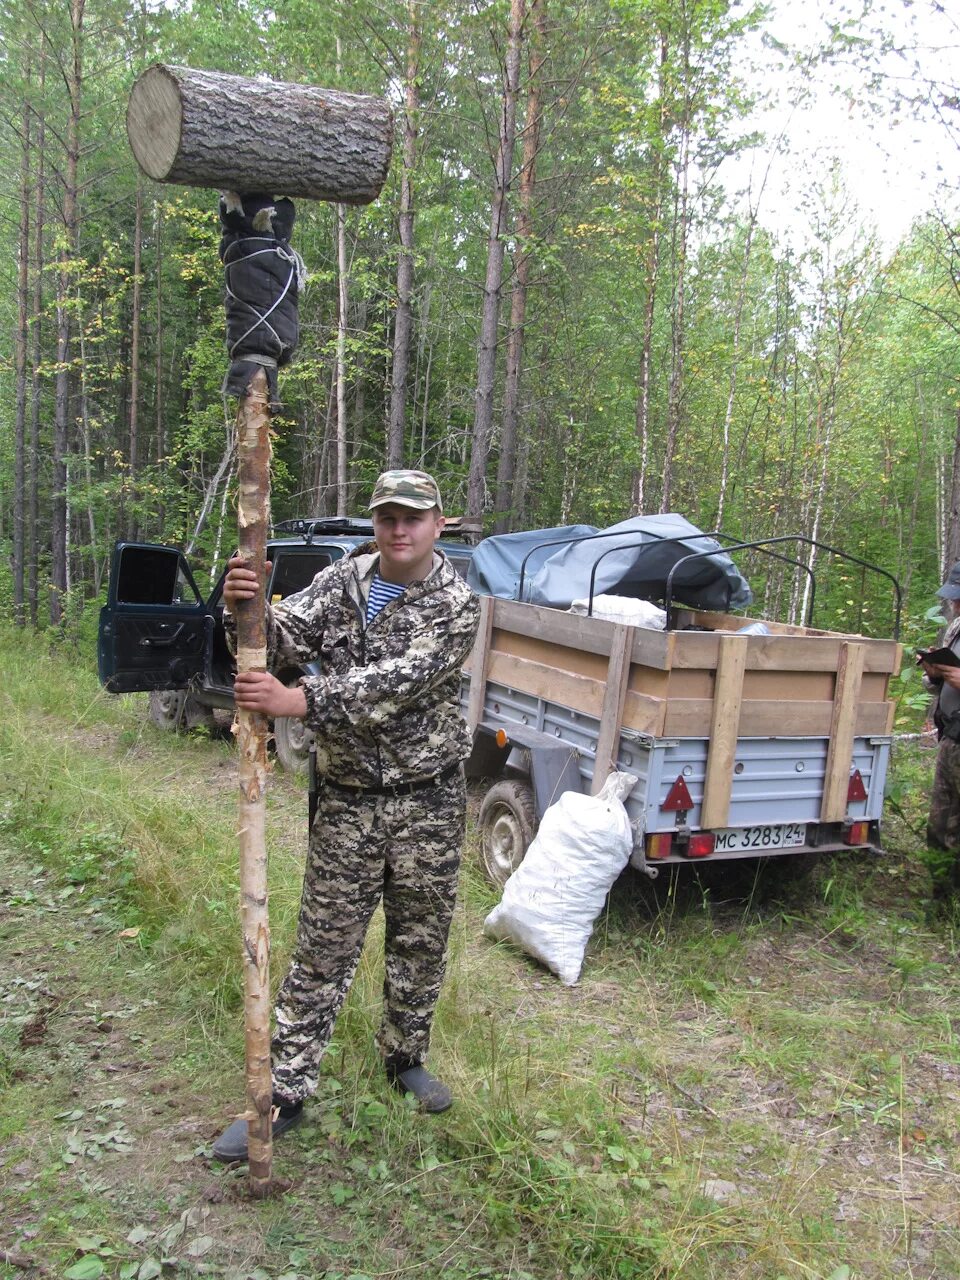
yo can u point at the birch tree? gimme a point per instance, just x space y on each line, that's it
490 313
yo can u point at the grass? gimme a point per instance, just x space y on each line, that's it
754 1087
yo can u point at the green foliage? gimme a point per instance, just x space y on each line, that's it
810 390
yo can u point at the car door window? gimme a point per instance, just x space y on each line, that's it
295 570
153 575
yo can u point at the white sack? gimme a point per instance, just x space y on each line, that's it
550 902
637 613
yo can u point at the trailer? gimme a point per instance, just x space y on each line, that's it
743 745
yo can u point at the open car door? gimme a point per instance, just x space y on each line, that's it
155 628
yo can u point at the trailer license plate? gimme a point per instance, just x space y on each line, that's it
760 838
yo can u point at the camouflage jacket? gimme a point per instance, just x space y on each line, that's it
946 713
382 699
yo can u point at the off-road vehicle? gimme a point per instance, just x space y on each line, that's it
158 633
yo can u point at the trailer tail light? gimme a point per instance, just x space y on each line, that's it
701 844
659 845
678 797
501 738
856 790
856 833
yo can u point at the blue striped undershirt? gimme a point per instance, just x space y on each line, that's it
381 593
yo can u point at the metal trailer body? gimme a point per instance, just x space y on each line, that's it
743 746
776 792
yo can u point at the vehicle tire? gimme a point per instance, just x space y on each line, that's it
166 708
508 823
177 710
292 741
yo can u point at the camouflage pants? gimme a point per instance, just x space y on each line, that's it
943 825
405 850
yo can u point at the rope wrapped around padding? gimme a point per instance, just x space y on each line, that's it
263 276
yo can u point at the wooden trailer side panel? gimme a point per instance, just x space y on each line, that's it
718 686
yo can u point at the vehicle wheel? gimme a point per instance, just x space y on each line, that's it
292 741
507 822
176 710
166 707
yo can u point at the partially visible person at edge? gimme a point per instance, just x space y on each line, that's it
387 629
943 825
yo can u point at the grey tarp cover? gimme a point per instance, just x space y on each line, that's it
495 565
262 276
633 559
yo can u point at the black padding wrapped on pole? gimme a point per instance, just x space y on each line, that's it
263 276
206 129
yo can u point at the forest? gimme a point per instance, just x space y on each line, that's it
569 304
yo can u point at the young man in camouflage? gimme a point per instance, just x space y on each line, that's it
387 628
943 826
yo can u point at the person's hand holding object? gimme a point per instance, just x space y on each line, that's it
260 691
241 582
949 675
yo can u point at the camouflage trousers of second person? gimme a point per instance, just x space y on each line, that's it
943 826
406 851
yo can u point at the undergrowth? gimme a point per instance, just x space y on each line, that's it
700 1106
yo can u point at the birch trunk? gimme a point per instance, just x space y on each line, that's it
253 435
33 465
403 321
651 275
61 431
133 448
84 422
677 354
732 383
20 374
490 319
952 505
220 477
507 466
158 405
342 304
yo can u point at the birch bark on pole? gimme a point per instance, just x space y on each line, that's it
253 448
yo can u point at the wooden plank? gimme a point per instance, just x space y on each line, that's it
692 718
833 807
591 635
734 621
611 716
577 692
548 654
722 751
643 713
891 712
478 663
700 650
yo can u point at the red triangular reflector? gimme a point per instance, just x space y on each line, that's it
856 790
678 797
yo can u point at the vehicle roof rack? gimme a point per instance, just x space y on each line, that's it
310 526
313 526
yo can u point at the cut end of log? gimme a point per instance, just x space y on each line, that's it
154 115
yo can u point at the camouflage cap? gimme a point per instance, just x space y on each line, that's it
414 489
951 588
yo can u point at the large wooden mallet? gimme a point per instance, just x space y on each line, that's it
204 129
